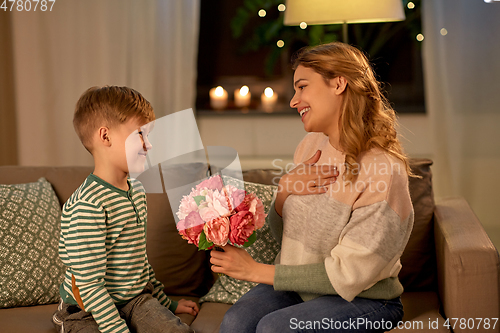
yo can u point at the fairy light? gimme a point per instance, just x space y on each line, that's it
280 43
262 13
410 5
303 25
420 37
281 7
443 32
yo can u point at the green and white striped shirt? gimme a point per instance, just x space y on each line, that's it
103 245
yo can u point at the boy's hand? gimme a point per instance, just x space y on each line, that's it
188 307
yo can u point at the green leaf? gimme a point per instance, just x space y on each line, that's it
316 33
330 37
198 199
251 239
272 60
272 32
239 22
252 6
204 243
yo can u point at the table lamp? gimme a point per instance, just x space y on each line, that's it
342 11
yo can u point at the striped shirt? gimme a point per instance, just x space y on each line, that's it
103 245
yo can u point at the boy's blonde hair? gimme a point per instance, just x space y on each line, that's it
108 106
367 120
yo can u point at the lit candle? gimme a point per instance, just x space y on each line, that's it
268 99
218 98
242 97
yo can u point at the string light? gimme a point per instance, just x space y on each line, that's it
443 32
280 43
281 7
262 13
410 5
420 37
303 25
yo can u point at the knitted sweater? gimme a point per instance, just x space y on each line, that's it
103 245
347 241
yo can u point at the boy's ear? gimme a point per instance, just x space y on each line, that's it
104 138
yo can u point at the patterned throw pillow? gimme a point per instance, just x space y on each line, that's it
30 269
227 289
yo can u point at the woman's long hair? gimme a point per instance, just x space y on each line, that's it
366 118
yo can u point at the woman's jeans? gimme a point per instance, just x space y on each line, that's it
265 310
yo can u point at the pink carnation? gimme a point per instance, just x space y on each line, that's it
254 205
218 201
236 195
242 226
190 228
187 206
212 183
217 231
209 213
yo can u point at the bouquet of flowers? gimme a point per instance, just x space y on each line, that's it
215 215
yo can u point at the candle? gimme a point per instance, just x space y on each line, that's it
242 97
268 99
218 98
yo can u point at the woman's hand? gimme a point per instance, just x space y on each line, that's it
237 263
186 306
305 178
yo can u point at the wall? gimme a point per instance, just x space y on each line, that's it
264 140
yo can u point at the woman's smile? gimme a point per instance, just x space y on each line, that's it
303 112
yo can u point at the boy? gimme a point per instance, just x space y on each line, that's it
109 286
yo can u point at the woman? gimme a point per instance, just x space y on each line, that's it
341 243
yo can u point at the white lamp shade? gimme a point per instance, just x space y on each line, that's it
342 11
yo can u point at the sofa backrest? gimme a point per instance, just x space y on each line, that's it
64 180
186 271
419 258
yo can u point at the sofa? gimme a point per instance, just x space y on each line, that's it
450 267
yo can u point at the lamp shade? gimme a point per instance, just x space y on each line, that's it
342 11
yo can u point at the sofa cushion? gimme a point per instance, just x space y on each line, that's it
227 289
28 319
30 269
210 317
421 313
419 257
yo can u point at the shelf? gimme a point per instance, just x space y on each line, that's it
247 112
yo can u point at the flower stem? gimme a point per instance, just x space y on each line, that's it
220 249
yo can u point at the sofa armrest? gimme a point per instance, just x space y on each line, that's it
467 264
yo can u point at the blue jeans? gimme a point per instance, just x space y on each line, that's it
265 310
